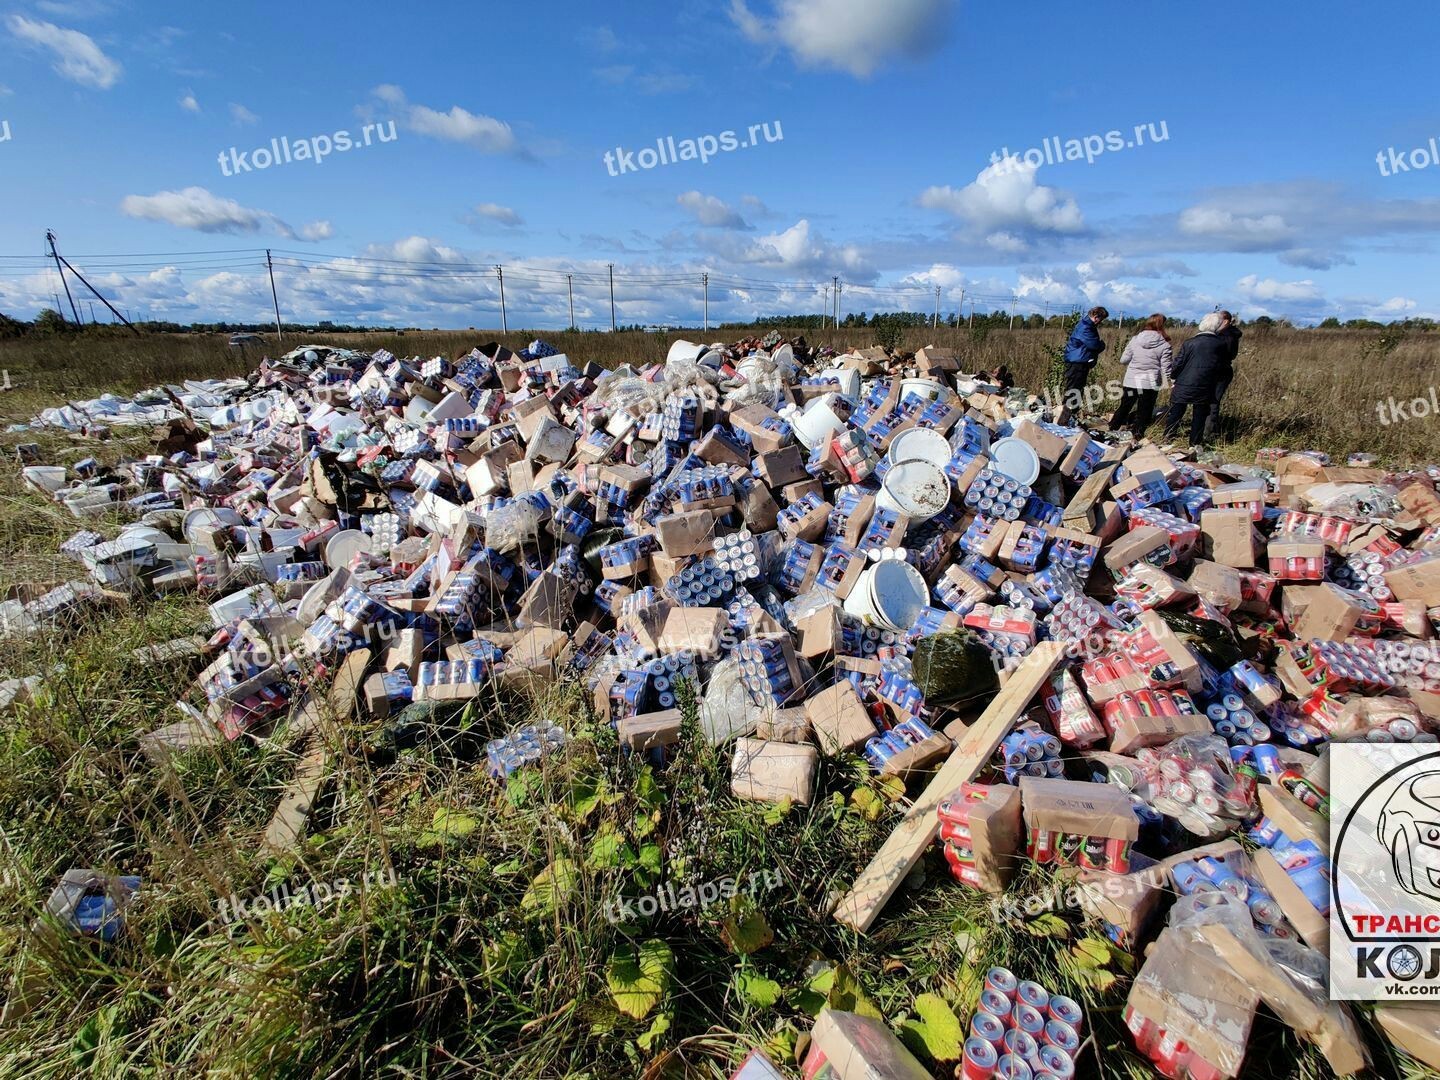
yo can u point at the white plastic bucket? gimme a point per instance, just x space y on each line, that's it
817 423
848 378
1016 459
917 488
891 593
925 444
928 389
683 350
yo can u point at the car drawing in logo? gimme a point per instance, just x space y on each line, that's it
1409 829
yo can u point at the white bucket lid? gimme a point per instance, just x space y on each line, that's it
899 593
344 546
1016 459
926 444
919 488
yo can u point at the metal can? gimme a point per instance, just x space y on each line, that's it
996 1003
1057 1061
1021 1044
1058 1033
1033 994
1002 981
980 1060
1010 1067
1067 1011
988 1027
1028 1019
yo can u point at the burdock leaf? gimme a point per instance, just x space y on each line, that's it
938 1033
550 888
639 978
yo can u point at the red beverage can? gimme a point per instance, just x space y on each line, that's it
996 1004
1164 703
1034 995
1009 1067
989 1027
1002 981
1020 1044
1058 1033
1149 706
1143 1030
1128 706
1060 1063
1028 1019
1067 1010
1171 1055
1042 845
980 1060
1117 855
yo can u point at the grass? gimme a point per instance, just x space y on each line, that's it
473 962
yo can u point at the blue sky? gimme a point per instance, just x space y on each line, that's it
1262 193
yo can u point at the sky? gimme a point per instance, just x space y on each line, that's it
1273 159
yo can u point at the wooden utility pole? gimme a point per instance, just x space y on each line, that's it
612 296
50 238
570 287
504 323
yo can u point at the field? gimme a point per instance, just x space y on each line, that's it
487 941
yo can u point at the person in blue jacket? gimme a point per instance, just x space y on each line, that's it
1082 350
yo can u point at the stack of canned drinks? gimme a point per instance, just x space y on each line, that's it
701 584
1363 572
1235 722
1414 666
1005 629
907 733
1077 617
449 673
996 495
1029 751
765 671
955 835
523 746
665 673
681 418
1022 1032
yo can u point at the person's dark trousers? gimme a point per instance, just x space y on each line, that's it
1212 423
1199 412
1141 402
1076 376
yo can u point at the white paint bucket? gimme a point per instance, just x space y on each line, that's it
917 488
816 423
683 350
891 593
928 389
926 444
848 378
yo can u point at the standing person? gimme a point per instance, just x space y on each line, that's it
1082 350
1202 360
1231 333
1147 359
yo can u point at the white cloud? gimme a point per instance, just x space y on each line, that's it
710 210
799 249
1243 232
857 36
241 115
645 82
1264 290
484 133
601 38
1112 265
189 103
5 91
77 57
317 231
416 249
1004 199
503 214
200 209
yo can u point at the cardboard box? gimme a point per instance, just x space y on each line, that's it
1048 446
1312 926
1414 1029
773 771
839 718
1135 546
701 629
1185 988
1420 499
1330 613
997 838
784 725
649 730
686 533
1130 734
1217 583
1125 903
856 1047
1228 538
1078 808
1418 580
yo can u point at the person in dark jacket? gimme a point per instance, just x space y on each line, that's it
1202 361
1231 333
1082 349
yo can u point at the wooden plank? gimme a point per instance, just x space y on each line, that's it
898 855
1080 513
287 824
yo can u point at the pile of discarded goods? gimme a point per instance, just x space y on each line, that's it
1093 655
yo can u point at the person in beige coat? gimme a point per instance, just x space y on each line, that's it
1147 359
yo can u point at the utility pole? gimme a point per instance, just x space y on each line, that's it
972 313
94 292
92 312
835 314
960 311
504 323
612 296
705 283
1012 311
825 311
936 323
1047 312
570 287
274 298
50 236
1122 320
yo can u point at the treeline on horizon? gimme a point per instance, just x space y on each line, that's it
50 321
